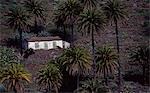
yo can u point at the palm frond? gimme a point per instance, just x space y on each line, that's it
71 9
17 18
76 60
89 4
36 8
14 74
50 76
91 20
114 10
106 60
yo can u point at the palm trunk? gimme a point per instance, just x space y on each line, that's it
72 35
118 51
93 92
35 25
20 33
56 89
49 88
14 88
93 52
72 31
64 28
144 74
78 80
148 72
105 77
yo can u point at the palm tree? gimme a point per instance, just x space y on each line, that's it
77 61
89 4
71 9
115 10
91 21
50 77
105 61
92 86
37 9
141 57
59 20
14 76
18 19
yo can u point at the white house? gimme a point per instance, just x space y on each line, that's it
46 43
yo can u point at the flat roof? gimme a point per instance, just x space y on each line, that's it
49 38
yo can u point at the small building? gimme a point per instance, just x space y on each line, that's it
46 43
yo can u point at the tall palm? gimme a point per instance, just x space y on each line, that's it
77 61
91 21
59 20
14 77
106 61
18 19
50 77
89 4
71 9
141 57
37 10
115 10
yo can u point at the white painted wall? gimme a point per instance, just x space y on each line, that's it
50 44
66 44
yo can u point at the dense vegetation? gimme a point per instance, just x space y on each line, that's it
95 70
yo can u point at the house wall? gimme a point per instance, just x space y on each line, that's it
50 44
66 44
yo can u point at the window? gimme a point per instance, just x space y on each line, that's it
36 45
54 45
45 45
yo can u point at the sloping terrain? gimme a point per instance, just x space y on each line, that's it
132 33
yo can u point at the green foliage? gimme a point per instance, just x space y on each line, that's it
7 56
91 20
129 87
50 77
76 61
106 61
141 55
36 8
71 9
67 13
92 86
14 77
59 18
114 10
17 18
38 11
89 4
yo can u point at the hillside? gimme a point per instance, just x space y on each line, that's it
134 31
